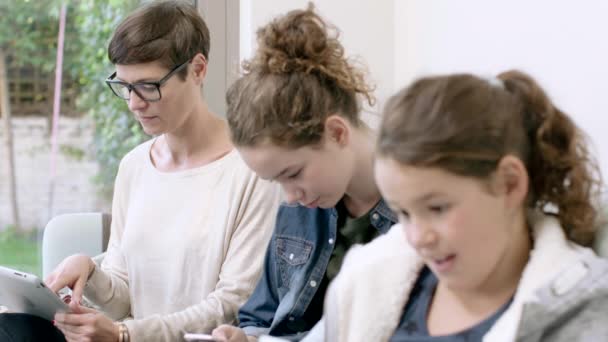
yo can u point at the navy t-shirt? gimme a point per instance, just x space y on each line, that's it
412 327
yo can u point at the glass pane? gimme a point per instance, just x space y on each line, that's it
94 130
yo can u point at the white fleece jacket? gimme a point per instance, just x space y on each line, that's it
562 295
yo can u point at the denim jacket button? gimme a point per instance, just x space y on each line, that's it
331 241
313 283
291 256
375 216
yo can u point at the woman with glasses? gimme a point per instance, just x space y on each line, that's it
188 216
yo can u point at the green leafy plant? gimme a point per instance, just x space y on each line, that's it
28 33
72 152
116 131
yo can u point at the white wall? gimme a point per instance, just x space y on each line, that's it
563 44
222 19
366 31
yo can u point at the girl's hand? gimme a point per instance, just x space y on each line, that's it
229 333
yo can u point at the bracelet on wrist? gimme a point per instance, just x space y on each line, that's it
123 333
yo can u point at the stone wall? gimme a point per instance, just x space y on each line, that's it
74 190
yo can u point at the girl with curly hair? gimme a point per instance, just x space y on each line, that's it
294 117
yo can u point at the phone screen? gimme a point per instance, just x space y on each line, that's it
199 337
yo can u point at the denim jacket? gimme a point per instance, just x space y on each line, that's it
295 264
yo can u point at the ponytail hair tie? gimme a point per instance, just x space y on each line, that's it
495 82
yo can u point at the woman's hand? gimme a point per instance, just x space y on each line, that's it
229 333
85 324
72 272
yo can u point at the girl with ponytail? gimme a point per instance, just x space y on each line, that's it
294 117
493 185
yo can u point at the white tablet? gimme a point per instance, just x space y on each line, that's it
25 293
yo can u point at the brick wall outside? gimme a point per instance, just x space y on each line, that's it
74 187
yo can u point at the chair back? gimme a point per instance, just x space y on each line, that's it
67 234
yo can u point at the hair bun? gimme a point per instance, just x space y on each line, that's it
302 42
299 41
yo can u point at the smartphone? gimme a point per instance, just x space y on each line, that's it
199 337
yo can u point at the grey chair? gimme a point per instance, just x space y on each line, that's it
68 234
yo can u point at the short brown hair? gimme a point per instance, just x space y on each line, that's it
167 31
465 124
298 77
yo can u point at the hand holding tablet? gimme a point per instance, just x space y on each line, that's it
25 293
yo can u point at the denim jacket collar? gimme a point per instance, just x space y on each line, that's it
382 217
295 264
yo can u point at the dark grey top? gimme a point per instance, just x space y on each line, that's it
413 322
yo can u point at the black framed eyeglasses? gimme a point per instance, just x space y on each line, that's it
147 91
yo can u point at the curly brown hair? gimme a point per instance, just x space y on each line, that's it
298 77
465 124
